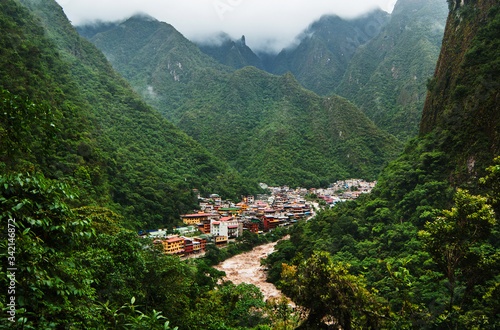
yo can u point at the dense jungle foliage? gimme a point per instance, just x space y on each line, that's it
82 158
422 251
96 133
270 128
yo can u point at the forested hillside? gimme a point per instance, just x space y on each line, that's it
325 50
462 102
267 127
103 138
387 76
156 59
422 251
270 128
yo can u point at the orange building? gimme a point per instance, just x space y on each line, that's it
220 240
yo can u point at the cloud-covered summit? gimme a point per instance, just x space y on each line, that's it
267 24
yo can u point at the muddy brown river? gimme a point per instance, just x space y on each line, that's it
246 268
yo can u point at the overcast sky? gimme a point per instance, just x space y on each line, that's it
274 23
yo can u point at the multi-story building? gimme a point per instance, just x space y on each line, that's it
188 246
195 218
202 244
173 245
220 240
226 226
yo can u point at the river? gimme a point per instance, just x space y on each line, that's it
246 268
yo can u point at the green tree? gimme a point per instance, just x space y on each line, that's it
328 291
51 282
455 241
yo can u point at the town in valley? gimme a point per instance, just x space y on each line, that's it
218 221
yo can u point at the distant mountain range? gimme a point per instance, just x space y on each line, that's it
266 126
381 62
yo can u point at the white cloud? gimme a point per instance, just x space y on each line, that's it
275 22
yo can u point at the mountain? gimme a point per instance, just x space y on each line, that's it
233 53
426 240
248 117
381 62
325 50
387 76
107 142
156 59
462 103
271 128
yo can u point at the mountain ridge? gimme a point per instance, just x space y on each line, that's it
138 163
211 91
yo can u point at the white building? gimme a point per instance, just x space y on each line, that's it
226 226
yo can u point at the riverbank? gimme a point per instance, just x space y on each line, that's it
246 268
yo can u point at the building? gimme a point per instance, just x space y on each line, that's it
226 226
173 245
233 211
188 246
270 222
220 240
195 218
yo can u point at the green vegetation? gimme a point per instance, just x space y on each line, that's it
79 122
426 241
420 265
156 59
76 270
266 127
82 158
321 58
270 128
387 76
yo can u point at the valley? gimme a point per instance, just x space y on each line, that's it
119 127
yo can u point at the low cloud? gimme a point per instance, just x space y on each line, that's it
270 24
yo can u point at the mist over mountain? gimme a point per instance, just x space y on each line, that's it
233 53
387 76
234 113
379 61
326 48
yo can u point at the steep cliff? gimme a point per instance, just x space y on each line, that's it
463 100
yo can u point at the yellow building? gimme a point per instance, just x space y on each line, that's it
242 206
191 219
220 240
173 245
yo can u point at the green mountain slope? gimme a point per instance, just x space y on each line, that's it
116 148
463 101
323 54
429 249
156 59
248 118
270 128
387 76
